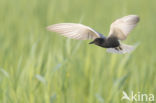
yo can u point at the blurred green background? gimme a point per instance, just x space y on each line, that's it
37 66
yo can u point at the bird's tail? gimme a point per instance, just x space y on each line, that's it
123 49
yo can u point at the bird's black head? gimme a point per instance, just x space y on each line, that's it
98 41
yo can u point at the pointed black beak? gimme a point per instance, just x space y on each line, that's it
91 42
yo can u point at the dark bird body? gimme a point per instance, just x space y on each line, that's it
110 42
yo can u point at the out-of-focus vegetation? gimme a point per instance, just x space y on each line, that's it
37 66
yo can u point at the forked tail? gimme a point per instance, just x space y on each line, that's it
124 49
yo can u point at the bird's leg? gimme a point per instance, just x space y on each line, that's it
118 48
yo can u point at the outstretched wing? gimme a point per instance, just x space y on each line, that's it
123 26
74 31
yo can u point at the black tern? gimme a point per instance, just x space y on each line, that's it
119 31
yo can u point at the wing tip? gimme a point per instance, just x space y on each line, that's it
59 25
48 28
51 27
136 18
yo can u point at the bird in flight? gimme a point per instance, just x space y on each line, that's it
119 31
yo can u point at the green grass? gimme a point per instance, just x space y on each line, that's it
37 66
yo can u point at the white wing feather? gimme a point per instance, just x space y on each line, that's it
74 31
123 26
